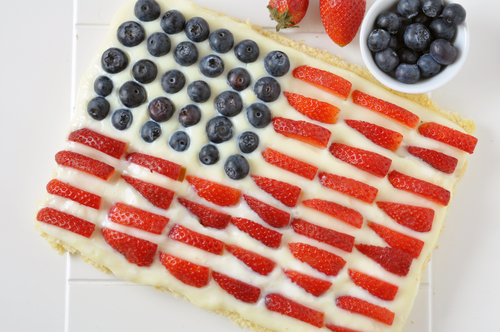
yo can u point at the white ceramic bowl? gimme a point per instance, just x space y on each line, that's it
460 41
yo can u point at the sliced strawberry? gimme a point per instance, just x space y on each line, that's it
208 217
273 216
381 289
396 113
458 139
85 164
440 161
397 240
324 80
342 19
414 217
350 187
285 306
319 259
386 138
156 195
59 188
197 240
367 161
287 13
260 264
286 193
365 308
214 192
345 214
419 187
189 273
336 239
66 221
267 236
314 286
128 215
313 108
336 328
394 260
105 144
237 288
137 251
289 164
303 131
158 165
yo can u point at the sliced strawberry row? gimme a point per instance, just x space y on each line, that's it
394 260
379 288
303 131
347 186
156 195
458 139
267 236
386 138
336 328
396 113
365 308
85 164
208 217
397 240
158 165
419 187
105 144
214 192
197 240
237 288
131 216
289 164
258 263
137 251
342 213
187 272
286 193
273 216
65 221
367 161
279 303
59 188
312 285
319 259
414 217
437 160
324 80
336 239
313 108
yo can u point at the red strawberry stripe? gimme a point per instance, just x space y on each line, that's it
137 251
394 112
324 80
259 264
128 215
386 138
197 240
105 144
336 328
273 216
286 193
56 187
381 289
435 131
267 236
66 221
319 259
239 289
285 306
314 286
313 108
208 217
303 131
414 217
189 273
336 239
394 260
350 187
85 164
345 214
289 164
214 192
158 165
365 308
398 240
438 160
367 161
419 187
156 195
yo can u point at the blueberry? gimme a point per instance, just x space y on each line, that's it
454 14
158 44
173 22
229 103
422 18
121 119
173 81
378 40
407 73
186 53
417 37
393 43
219 129
161 109
179 141
98 108
428 66
408 8
199 91
236 167
387 60
267 89
189 115
389 21
247 51
103 86
239 79
144 71
132 94
277 63
440 29
150 131
432 8
221 41
258 115
211 66
443 52
407 55
248 141
114 60
197 29
209 154
130 34
147 10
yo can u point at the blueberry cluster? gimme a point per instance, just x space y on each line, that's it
415 40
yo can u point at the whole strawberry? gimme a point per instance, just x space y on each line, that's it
288 13
342 19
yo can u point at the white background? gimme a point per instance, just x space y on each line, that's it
44 48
